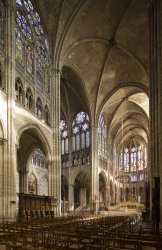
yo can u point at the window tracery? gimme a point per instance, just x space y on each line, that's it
132 161
102 135
19 47
80 132
32 44
39 159
64 137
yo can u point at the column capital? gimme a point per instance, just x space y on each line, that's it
17 146
3 141
56 70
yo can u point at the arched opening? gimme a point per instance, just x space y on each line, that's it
32 166
111 192
102 190
81 190
77 190
127 194
64 195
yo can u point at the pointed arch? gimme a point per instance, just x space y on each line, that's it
40 135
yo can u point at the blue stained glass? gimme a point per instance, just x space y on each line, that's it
36 22
42 51
29 59
24 25
29 23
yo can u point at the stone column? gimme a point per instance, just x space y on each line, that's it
94 169
9 164
70 177
3 150
83 196
71 197
155 145
55 166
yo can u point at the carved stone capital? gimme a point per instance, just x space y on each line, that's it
17 147
56 71
3 141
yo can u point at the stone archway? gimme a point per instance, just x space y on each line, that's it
29 142
64 195
111 192
102 189
81 190
33 157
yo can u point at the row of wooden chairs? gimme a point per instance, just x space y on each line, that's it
79 232
37 214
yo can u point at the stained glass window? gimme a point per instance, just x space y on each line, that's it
132 158
145 158
31 40
80 132
121 162
140 158
64 137
102 136
47 80
133 178
141 177
83 140
29 59
23 25
126 160
19 47
39 159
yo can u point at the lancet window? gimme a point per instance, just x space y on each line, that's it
102 136
80 132
64 137
133 161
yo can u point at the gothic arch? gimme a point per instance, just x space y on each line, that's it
102 187
39 134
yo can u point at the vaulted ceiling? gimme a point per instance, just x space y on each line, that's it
102 49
